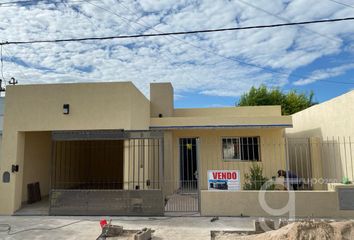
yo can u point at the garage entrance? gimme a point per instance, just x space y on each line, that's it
106 173
90 164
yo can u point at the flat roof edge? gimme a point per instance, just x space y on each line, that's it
222 126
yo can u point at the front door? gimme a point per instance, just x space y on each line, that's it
188 165
186 198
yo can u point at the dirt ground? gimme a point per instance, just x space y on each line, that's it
174 228
300 231
86 228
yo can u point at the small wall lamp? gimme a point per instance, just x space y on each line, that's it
66 108
14 168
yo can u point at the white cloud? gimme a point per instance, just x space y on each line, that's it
156 5
325 74
205 63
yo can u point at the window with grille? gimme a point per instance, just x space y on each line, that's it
241 148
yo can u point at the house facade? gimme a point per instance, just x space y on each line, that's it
105 149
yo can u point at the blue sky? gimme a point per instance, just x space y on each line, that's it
206 70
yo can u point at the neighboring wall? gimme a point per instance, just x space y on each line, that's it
332 118
330 127
272 153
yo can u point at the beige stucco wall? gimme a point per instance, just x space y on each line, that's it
260 111
210 143
256 116
142 163
330 125
93 106
37 161
161 99
219 120
0 149
331 118
139 110
307 204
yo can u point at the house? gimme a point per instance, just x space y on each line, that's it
105 149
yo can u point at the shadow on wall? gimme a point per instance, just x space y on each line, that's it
317 158
315 132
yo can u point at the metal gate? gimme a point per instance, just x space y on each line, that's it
186 198
107 173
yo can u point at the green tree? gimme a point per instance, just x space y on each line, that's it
290 102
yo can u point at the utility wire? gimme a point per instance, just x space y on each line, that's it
189 32
32 2
343 4
168 38
66 4
179 33
213 52
287 20
146 25
207 50
10 53
185 33
15 2
128 21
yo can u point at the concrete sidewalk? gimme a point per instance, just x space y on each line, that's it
88 227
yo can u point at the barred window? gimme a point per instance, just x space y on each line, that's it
241 148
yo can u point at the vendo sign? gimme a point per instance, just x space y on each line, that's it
226 180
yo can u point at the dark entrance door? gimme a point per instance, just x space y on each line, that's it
186 198
188 165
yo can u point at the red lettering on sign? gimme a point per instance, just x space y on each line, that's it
224 175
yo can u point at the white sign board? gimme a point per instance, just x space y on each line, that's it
224 180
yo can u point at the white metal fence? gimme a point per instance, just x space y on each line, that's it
319 161
301 163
